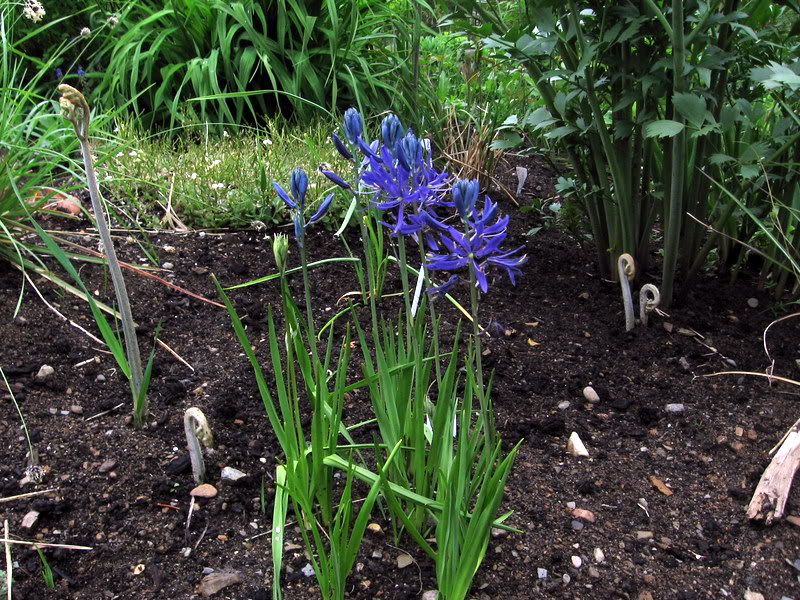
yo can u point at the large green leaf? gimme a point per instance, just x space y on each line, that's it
691 107
663 128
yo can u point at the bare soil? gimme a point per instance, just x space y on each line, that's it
667 490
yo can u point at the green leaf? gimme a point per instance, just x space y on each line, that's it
719 159
691 107
663 128
506 141
749 171
560 132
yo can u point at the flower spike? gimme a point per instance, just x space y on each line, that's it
353 125
298 183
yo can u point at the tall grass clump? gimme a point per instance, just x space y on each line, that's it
35 153
246 60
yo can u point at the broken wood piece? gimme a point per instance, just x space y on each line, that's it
769 499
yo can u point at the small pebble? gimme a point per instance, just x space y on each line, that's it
45 371
207 570
576 562
231 474
644 535
750 595
599 556
577 525
29 520
168 265
100 378
675 408
404 560
204 490
684 363
575 445
541 573
566 578
308 570
593 572
584 515
76 409
591 395
563 405
107 465
430 595
752 303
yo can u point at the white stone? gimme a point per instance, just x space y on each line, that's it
591 395
231 474
45 371
404 560
575 446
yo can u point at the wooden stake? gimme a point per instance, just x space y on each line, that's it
769 500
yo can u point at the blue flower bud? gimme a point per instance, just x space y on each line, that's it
335 179
465 195
283 195
343 150
353 125
81 72
392 131
409 151
323 208
59 73
298 184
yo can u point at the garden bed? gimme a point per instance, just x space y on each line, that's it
666 490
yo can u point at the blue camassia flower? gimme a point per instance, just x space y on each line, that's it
396 171
479 248
296 201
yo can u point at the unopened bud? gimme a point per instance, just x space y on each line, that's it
280 249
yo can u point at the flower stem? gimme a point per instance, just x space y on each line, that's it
486 412
131 342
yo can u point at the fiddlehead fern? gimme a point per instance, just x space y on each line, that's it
649 297
197 431
627 271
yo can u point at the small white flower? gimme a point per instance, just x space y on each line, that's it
217 186
86 32
133 153
225 133
193 176
113 20
33 10
119 155
215 162
267 142
108 178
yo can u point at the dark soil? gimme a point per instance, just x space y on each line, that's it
560 329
